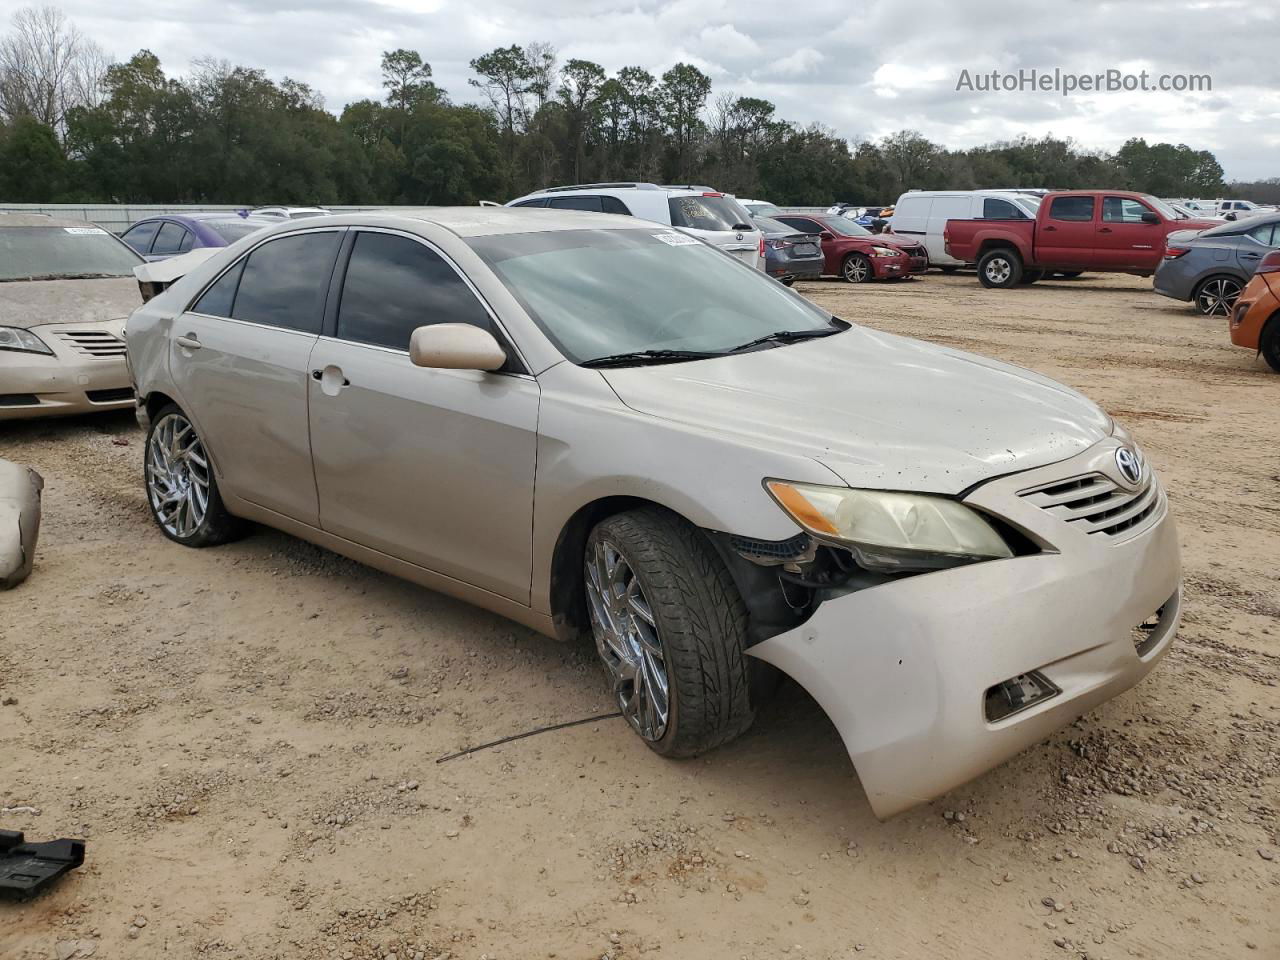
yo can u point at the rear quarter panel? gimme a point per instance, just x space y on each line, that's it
966 239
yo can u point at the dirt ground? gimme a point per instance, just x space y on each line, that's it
247 736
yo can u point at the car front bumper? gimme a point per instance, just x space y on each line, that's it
86 373
887 268
903 669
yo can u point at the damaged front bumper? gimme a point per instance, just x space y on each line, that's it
906 670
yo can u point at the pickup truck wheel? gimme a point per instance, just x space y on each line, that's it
1217 295
857 269
669 625
1269 343
1031 276
1000 268
182 490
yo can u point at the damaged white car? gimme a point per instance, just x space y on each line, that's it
595 425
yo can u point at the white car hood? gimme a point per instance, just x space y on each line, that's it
879 410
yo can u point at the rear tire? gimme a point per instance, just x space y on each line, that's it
182 490
1216 296
1269 343
857 269
663 606
1000 268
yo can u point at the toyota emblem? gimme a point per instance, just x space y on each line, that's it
1129 463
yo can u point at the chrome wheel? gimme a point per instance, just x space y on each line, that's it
627 639
177 476
857 270
1217 297
998 270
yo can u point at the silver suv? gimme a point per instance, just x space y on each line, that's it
602 427
717 218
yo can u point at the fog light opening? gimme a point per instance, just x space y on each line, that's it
1017 694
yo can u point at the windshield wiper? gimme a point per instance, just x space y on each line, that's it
636 358
786 336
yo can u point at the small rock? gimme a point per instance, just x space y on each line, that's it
451 834
139 921
1266 854
1197 878
1060 942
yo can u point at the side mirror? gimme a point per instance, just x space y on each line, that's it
455 346
1149 217
826 235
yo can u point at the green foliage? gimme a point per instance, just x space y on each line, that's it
229 134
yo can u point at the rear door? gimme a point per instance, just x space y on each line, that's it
1065 232
434 467
1123 240
719 220
239 359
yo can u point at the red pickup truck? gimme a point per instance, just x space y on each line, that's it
1107 231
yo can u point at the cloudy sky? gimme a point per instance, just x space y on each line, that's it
862 67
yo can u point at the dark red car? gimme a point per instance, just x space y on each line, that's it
855 253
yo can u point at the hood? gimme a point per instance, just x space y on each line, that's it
896 241
32 303
1198 223
879 410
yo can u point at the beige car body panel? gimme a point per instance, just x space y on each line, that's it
465 482
20 488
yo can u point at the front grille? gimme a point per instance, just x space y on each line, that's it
18 400
1095 504
110 396
94 343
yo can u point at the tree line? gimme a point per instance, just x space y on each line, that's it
75 127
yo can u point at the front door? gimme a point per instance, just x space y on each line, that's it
434 467
1124 241
239 359
1065 234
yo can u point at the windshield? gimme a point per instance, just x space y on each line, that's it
596 293
233 230
846 227
707 212
1167 211
52 252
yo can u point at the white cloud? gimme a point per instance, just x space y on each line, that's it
802 61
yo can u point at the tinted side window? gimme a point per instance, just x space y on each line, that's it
614 205
1071 208
994 208
540 202
1122 210
576 203
169 239
217 299
188 241
284 281
140 235
1264 235
395 285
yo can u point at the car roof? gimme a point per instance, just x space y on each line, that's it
40 220
484 221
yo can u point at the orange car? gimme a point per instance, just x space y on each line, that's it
1255 319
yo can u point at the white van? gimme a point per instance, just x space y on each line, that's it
923 215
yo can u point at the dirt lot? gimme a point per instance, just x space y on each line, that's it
247 736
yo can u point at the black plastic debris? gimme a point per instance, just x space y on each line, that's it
27 868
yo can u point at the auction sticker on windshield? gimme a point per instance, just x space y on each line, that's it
677 239
84 231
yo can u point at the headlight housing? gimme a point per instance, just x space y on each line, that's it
22 341
886 252
892 532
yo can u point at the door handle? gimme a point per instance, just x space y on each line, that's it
1104 229
189 341
1049 227
318 375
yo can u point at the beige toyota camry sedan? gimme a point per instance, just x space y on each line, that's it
596 425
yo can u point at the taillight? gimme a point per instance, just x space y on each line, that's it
1173 253
1270 263
776 244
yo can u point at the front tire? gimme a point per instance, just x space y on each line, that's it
1216 296
857 269
1000 268
669 625
182 490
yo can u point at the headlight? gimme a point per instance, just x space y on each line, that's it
886 252
24 341
892 532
